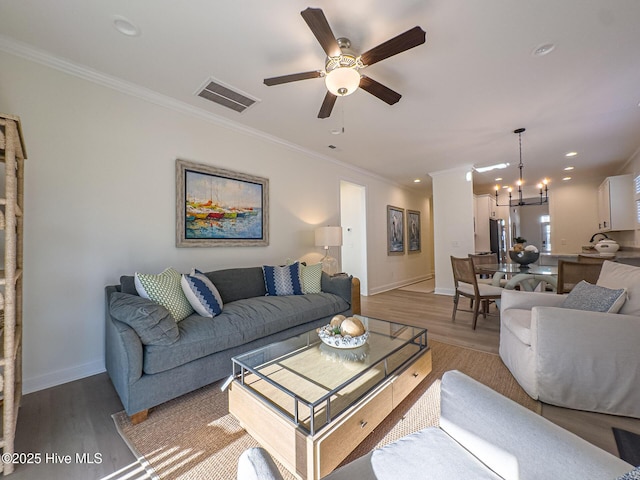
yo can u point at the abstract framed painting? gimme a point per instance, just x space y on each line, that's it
395 230
216 207
413 231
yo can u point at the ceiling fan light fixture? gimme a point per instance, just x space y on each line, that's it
342 81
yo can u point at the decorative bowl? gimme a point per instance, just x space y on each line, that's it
336 340
345 356
524 258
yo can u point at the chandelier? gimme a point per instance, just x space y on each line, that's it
542 186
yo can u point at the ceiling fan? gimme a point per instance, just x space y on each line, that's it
342 67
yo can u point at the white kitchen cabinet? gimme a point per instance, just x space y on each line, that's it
615 204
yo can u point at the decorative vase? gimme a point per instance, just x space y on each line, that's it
524 257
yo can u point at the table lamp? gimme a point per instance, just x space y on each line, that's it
329 237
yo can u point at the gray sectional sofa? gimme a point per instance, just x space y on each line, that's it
482 435
150 362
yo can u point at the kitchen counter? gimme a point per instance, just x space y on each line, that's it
630 256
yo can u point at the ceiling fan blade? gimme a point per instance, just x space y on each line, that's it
327 105
294 77
409 39
378 90
320 27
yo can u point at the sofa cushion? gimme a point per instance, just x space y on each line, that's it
151 321
238 283
594 298
282 280
430 450
165 289
201 294
519 323
339 284
241 322
618 275
311 276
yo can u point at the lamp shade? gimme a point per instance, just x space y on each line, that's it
342 81
328 236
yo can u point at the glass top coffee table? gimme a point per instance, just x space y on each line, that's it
311 404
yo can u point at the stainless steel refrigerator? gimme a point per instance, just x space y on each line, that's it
498 238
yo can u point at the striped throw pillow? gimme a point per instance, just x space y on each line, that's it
282 280
202 294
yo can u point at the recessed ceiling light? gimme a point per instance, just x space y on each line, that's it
571 154
498 179
543 50
125 26
332 147
417 180
568 168
566 178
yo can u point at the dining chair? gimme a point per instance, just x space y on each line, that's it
486 259
466 285
571 273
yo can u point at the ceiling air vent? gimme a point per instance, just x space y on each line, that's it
216 92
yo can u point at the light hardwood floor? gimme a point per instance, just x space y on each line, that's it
434 312
76 417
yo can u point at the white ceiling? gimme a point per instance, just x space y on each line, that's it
464 91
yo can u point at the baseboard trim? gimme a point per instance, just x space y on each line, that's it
401 283
445 291
53 379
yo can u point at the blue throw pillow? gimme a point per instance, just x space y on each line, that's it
202 294
283 280
586 296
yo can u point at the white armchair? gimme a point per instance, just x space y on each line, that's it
574 358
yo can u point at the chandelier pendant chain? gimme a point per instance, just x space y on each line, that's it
542 186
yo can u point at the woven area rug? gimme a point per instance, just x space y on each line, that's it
195 437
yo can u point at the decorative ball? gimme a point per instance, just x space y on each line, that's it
352 326
337 320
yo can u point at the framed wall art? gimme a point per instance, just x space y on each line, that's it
220 208
395 230
413 231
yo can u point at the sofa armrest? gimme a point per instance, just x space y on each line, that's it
344 286
587 360
356 306
527 300
123 351
515 442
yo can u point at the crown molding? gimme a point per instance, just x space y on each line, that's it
28 52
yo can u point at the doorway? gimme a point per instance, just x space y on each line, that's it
353 215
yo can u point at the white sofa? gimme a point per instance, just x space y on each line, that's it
577 359
482 435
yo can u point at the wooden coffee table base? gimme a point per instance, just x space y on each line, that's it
311 457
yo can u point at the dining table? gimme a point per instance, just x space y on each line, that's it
529 278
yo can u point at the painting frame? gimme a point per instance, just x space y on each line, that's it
414 237
225 224
395 230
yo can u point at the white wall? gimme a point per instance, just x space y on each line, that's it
573 208
453 222
100 203
392 271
